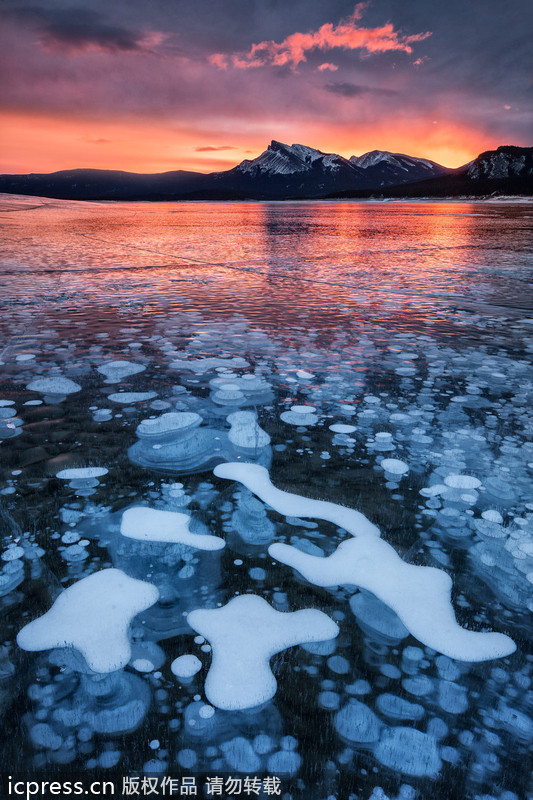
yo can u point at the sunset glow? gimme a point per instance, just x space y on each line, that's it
164 92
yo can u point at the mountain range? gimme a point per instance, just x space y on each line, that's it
295 171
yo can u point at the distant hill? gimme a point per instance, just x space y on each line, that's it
295 171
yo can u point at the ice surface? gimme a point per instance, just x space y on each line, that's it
245 634
420 596
93 615
154 525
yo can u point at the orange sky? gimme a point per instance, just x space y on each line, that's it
142 146
151 87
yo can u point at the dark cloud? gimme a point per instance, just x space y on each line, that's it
346 89
211 148
76 29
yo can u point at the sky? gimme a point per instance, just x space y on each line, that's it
157 85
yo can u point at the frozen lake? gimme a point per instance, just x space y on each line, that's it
163 368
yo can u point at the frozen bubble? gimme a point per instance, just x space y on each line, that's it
300 415
340 428
142 665
12 553
377 619
43 737
57 385
263 744
396 708
394 468
257 573
452 697
492 516
462 482
329 701
240 755
187 758
169 423
284 762
186 666
418 685
81 473
115 371
131 397
245 432
409 751
339 665
356 723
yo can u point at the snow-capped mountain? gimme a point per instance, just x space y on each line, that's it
505 162
284 159
296 170
389 169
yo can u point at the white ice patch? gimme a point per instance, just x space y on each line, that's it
256 478
244 635
115 371
93 615
81 473
153 525
56 385
420 596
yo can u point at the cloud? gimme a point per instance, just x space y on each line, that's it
346 89
211 148
75 30
327 66
347 35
